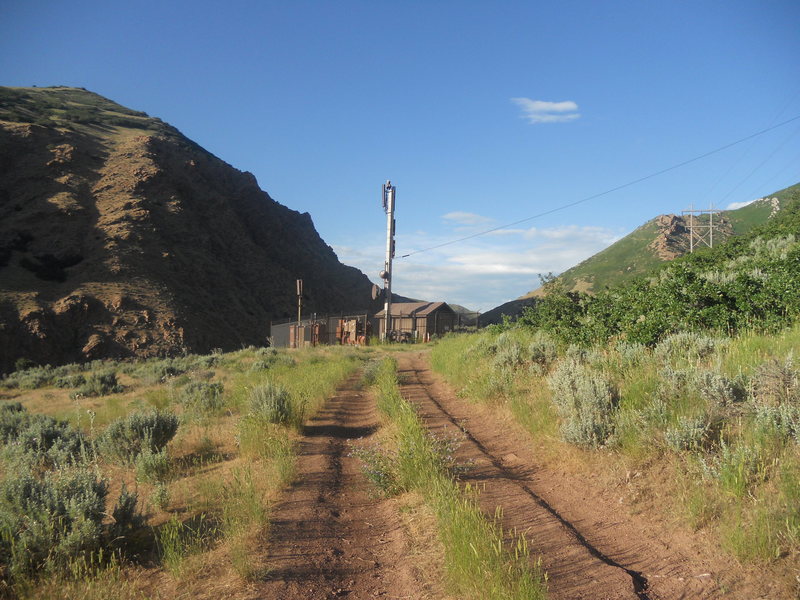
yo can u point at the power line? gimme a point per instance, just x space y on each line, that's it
606 192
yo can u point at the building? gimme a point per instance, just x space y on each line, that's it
418 320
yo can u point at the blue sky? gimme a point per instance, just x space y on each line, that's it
481 113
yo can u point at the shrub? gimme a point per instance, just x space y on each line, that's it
125 516
47 523
152 466
509 355
49 441
585 401
631 354
203 397
273 403
718 389
100 384
126 438
687 434
543 349
776 382
69 381
160 496
687 345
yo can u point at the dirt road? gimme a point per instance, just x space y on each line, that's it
329 538
591 547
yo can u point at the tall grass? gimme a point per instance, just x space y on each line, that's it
721 414
477 563
218 491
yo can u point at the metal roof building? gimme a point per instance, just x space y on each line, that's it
418 320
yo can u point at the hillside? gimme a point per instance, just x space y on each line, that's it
660 240
119 236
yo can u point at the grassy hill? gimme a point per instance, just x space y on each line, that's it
659 240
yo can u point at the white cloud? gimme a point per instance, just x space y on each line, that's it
466 218
480 273
735 205
541 111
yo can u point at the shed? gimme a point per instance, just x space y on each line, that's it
418 320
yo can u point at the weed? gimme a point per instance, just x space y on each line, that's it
586 402
687 434
160 496
203 398
126 438
273 403
152 466
100 384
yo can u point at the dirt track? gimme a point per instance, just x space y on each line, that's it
591 548
330 539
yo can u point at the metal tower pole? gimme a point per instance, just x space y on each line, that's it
386 274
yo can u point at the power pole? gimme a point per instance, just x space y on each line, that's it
388 206
299 301
700 233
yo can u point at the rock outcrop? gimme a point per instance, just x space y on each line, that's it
121 237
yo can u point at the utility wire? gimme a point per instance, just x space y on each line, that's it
609 191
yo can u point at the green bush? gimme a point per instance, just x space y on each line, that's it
126 438
46 523
160 496
152 466
687 434
585 401
125 517
543 350
203 397
100 384
273 403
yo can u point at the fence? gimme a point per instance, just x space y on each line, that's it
315 331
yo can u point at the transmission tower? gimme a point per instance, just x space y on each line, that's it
701 234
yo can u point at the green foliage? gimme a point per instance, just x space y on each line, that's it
126 438
273 403
31 377
750 281
585 401
177 540
153 467
160 496
45 523
100 384
125 516
39 440
202 397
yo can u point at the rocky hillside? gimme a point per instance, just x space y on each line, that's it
119 236
658 241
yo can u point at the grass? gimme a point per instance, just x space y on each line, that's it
477 563
685 417
205 496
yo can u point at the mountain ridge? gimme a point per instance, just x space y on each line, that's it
122 237
655 242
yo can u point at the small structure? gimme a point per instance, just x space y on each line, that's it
417 320
316 331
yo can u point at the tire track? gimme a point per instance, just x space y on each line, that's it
577 566
330 538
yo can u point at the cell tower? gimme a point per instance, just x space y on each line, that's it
701 234
388 206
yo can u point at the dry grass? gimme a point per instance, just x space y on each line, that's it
219 490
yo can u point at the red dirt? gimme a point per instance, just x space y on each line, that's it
591 546
330 538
